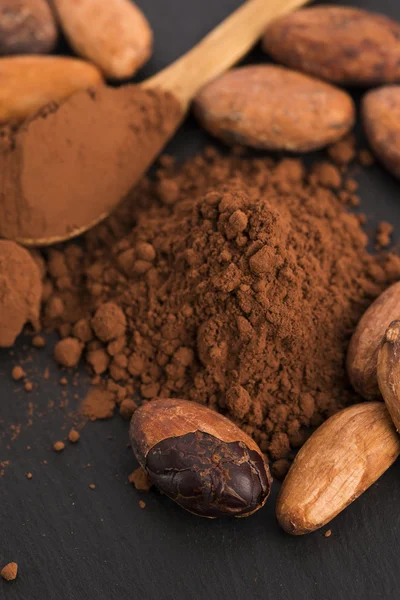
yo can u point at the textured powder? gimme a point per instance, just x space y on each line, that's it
74 436
109 322
73 162
127 408
58 446
20 291
98 404
67 352
383 236
18 373
140 480
344 151
233 282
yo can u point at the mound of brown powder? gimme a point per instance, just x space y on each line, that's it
229 281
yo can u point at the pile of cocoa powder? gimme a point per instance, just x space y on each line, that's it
235 282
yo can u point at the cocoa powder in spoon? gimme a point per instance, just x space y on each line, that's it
65 168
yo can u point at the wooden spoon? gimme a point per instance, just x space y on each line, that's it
218 51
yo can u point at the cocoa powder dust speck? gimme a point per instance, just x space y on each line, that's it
98 404
140 480
74 436
38 341
127 408
383 236
9 572
58 446
18 373
230 281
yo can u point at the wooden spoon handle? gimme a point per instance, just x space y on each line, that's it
220 49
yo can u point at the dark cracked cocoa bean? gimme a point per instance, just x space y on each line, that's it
200 459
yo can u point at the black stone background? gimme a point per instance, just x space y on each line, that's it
74 543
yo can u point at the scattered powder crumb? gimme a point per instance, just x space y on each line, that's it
279 468
98 404
44 462
361 218
10 571
3 465
140 480
46 373
328 533
28 448
351 185
15 431
54 307
92 486
29 475
99 360
142 504
344 151
38 341
64 330
74 436
127 408
21 290
366 158
28 387
58 446
109 322
326 174
82 330
63 381
67 352
383 236
18 373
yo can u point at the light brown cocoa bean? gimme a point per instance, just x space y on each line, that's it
362 355
114 35
272 107
343 458
389 371
26 27
30 82
381 119
345 45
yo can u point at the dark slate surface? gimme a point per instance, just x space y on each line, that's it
74 543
